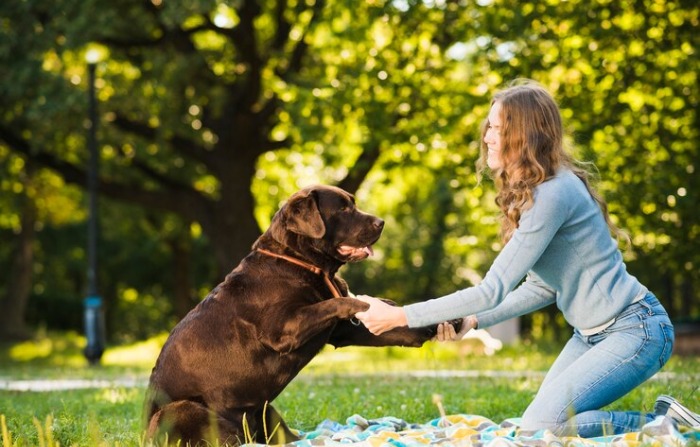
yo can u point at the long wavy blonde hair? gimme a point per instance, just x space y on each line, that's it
532 150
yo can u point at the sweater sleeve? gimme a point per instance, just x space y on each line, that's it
532 295
535 231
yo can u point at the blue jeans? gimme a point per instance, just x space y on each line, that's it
594 371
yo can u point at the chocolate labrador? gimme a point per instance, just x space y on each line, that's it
236 350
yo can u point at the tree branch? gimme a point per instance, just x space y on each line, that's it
365 162
272 145
187 203
295 61
183 145
359 171
283 27
245 41
68 171
180 200
166 182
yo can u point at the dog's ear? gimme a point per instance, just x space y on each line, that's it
304 217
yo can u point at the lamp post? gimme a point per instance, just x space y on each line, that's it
93 311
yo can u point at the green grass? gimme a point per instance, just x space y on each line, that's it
372 382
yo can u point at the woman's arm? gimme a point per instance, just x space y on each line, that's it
537 227
532 295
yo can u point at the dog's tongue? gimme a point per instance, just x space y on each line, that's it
356 252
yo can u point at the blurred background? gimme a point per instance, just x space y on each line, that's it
205 115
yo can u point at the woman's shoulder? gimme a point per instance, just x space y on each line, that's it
564 191
562 184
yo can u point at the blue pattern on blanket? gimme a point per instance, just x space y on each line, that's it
463 430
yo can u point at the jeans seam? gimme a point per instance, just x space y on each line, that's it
611 423
668 343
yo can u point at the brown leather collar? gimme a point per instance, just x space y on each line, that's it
307 266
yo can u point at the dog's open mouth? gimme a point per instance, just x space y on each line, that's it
355 253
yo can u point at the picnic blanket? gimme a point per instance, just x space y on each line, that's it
464 430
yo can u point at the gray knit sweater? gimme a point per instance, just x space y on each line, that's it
563 249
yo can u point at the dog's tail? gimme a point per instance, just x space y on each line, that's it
152 403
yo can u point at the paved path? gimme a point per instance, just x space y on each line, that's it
69 384
38 385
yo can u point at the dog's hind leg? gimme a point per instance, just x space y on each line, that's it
193 423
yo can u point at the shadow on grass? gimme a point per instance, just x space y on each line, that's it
50 355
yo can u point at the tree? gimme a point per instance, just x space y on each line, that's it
194 94
213 113
31 200
19 272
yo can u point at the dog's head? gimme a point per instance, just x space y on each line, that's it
325 220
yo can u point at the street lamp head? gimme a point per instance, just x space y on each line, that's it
95 53
92 56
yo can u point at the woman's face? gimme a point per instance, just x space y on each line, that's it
492 137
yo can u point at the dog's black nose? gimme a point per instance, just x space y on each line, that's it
378 223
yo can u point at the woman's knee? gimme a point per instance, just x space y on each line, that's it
534 420
545 417
529 427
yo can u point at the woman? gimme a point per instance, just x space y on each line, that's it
557 235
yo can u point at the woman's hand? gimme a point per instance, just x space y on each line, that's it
380 317
446 332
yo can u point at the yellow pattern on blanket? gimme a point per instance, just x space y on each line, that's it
463 430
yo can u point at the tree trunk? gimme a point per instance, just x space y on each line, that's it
687 297
12 318
182 282
672 306
232 233
435 251
230 222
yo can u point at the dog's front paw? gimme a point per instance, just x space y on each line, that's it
432 331
457 324
351 307
359 306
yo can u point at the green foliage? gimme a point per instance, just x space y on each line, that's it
212 114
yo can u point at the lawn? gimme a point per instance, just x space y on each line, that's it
372 382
